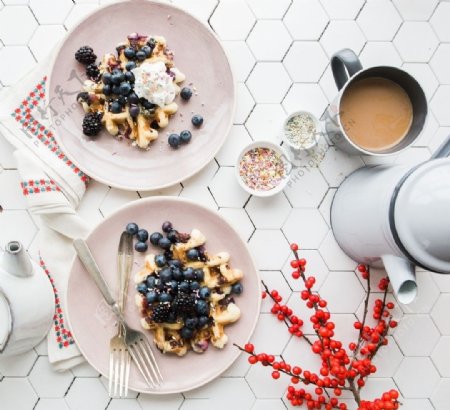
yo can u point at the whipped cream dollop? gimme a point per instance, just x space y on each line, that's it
152 82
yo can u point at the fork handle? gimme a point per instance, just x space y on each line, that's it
91 266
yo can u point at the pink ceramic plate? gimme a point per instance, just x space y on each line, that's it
93 324
198 54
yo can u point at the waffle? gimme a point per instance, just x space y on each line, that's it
219 277
143 129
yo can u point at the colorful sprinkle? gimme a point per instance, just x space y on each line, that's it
262 169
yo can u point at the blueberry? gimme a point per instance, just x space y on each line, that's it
151 282
133 98
166 275
160 261
188 274
172 236
122 100
197 120
168 254
106 78
202 307
194 285
117 78
173 284
142 235
154 238
115 89
167 226
129 76
185 136
174 140
134 110
140 55
132 228
186 333
186 93
175 263
140 246
199 274
191 322
202 321
147 50
125 88
192 254
130 53
204 292
160 284
130 65
183 286
151 296
115 108
237 289
107 90
177 274
141 288
164 297
164 243
172 318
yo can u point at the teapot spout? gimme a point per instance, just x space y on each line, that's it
15 260
402 276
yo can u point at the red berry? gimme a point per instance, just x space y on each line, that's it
264 295
294 247
295 263
275 374
393 323
296 274
252 359
362 268
249 348
357 325
393 394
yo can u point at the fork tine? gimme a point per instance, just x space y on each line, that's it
138 360
145 346
111 371
127 373
122 372
116 373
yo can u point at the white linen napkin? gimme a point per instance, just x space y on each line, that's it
53 187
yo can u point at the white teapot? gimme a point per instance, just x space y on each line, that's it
397 217
27 303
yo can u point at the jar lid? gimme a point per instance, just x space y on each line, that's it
5 321
422 215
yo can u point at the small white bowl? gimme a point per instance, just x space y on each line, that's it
316 135
277 149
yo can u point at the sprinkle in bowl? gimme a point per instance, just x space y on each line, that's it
263 168
301 130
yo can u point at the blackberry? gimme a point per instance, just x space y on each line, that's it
161 313
183 304
85 55
93 72
92 124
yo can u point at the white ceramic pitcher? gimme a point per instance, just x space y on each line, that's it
397 217
27 303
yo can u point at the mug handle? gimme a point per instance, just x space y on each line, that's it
344 63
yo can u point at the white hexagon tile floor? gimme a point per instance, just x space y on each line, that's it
279 51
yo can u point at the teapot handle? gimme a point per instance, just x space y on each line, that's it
344 64
443 151
5 305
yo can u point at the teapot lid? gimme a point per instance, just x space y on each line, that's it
421 215
5 321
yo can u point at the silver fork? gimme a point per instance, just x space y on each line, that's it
119 358
137 343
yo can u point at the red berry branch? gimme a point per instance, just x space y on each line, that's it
343 368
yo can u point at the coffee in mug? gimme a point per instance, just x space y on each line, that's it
376 113
378 110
